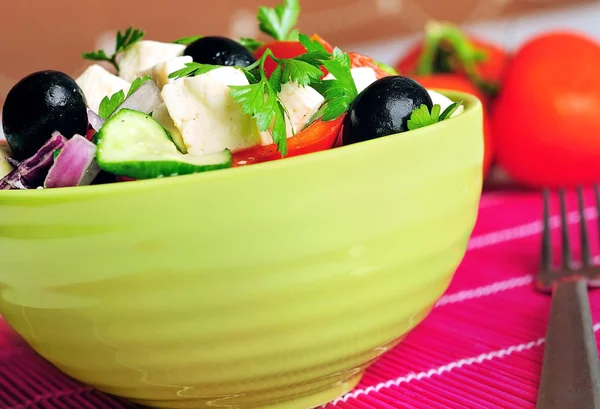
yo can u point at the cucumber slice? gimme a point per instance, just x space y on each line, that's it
135 145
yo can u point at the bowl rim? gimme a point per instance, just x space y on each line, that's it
471 103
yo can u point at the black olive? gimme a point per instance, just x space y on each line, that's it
40 104
219 51
384 108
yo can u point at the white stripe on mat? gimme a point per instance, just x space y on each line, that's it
490 356
525 230
486 290
494 288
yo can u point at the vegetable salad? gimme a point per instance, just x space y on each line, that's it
203 103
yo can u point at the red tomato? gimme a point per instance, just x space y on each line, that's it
453 52
455 82
319 136
546 117
491 68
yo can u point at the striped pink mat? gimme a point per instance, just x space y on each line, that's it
481 347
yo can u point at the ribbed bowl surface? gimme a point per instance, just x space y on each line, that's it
274 285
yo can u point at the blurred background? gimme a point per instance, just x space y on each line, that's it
52 34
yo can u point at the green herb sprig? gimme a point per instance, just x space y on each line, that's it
108 105
250 43
187 40
279 21
422 116
340 91
124 42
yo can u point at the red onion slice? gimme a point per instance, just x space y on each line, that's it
75 165
95 120
31 172
145 99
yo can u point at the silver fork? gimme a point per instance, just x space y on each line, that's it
571 372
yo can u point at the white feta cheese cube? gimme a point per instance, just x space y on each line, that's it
161 71
301 103
146 54
362 76
97 83
207 116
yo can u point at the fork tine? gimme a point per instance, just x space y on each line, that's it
585 243
567 257
546 239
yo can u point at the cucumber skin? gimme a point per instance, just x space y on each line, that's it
159 169
156 168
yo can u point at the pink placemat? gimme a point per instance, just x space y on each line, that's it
481 347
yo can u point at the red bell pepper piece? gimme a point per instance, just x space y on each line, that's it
319 136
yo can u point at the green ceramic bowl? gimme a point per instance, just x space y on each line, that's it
270 286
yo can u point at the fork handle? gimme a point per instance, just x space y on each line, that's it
571 372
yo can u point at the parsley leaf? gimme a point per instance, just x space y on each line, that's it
187 40
337 102
422 117
193 69
138 83
390 70
261 100
258 100
340 91
262 103
109 104
276 78
279 128
127 39
311 45
99 55
340 68
315 58
299 71
124 42
293 35
252 78
278 22
250 43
